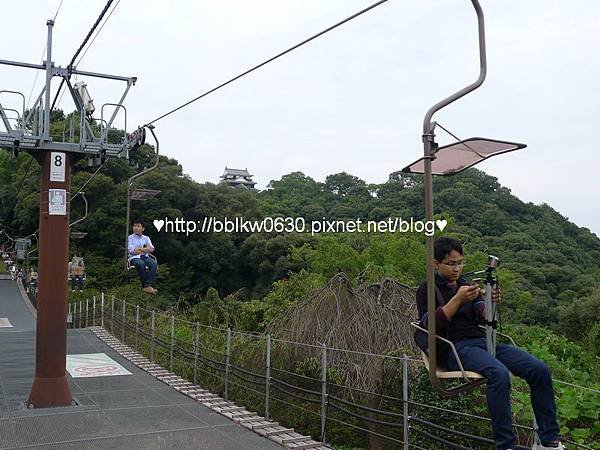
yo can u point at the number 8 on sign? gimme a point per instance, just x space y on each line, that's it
57 167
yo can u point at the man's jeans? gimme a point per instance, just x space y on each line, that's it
147 278
474 356
77 280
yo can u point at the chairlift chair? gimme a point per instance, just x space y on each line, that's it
137 193
449 160
78 270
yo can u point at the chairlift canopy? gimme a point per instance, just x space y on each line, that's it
143 194
453 158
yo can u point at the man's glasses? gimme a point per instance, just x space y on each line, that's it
454 264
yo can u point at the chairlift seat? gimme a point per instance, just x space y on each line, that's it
441 372
448 374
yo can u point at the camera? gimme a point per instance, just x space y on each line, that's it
493 262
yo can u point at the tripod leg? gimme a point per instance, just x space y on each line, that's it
490 331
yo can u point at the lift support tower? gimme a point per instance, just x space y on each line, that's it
29 130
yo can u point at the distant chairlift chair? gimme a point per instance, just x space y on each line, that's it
135 192
140 194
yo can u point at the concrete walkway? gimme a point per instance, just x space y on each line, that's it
13 308
114 412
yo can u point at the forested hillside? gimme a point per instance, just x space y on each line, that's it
550 271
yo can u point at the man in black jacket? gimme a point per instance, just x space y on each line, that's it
458 315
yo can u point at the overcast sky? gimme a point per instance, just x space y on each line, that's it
354 99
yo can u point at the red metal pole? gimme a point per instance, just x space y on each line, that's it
50 386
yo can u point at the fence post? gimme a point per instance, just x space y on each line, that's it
123 321
227 355
112 315
268 377
94 311
80 313
196 352
75 315
137 325
102 309
152 340
405 400
87 304
69 314
172 342
323 391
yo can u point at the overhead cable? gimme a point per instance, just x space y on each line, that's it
300 44
98 20
97 33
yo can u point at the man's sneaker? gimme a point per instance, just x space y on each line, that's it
149 290
558 446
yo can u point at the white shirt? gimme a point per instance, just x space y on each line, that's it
135 241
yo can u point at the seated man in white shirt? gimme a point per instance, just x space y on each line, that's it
139 247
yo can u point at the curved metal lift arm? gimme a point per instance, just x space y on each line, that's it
86 209
429 147
37 243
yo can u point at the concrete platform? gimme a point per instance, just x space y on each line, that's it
116 412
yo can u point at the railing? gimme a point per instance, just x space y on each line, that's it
253 370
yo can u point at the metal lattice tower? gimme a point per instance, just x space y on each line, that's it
30 130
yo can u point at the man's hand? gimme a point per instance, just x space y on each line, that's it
144 250
466 294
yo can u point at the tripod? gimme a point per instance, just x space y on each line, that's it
491 322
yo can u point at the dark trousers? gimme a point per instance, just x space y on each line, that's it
77 280
497 370
147 278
